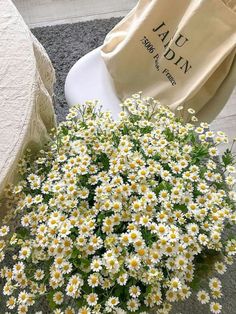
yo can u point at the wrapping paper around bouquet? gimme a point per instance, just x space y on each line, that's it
179 52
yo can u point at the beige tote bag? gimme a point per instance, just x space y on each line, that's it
181 52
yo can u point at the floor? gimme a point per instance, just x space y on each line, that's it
226 121
39 13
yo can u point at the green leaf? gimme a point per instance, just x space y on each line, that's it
51 303
22 232
104 160
118 292
195 284
169 135
227 158
75 253
143 308
80 303
65 131
231 236
85 262
204 268
125 130
192 137
149 289
181 207
162 186
146 130
199 152
100 217
228 226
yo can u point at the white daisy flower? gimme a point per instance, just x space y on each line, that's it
203 297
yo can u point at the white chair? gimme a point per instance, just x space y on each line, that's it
89 79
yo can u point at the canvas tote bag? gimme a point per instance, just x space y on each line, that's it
179 52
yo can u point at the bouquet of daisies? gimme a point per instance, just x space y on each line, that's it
119 216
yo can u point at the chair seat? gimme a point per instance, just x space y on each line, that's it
89 79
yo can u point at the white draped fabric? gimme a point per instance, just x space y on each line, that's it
26 88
